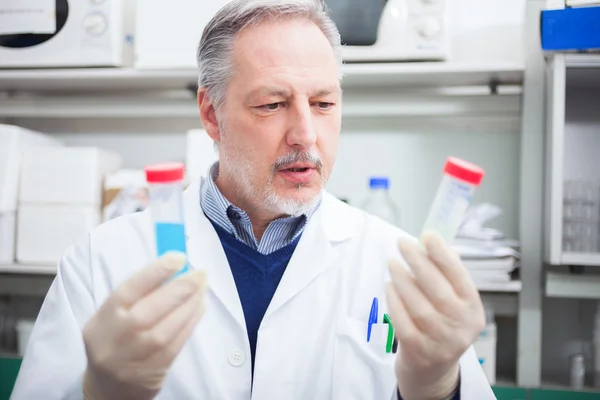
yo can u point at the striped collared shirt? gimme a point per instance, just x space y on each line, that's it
219 210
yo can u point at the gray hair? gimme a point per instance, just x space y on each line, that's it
215 51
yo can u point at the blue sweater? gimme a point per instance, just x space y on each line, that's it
256 277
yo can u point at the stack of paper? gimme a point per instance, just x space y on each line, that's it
486 253
487 262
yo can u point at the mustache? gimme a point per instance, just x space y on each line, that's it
295 157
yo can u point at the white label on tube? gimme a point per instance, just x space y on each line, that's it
448 208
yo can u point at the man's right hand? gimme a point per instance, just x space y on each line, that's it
133 339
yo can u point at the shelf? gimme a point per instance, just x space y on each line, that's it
420 74
28 269
505 287
359 104
582 70
576 286
590 259
432 74
582 60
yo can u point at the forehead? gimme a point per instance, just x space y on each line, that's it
293 50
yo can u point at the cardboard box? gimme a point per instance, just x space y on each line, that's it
125 192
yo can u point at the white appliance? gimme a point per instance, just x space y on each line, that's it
392 30
67 33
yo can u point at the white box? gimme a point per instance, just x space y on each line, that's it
67 175
24 329
7 237
200 154
13 141
485 348
44 232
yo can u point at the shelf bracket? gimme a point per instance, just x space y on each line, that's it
494 83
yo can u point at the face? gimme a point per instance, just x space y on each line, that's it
279 126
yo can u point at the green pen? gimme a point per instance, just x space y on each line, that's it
390 337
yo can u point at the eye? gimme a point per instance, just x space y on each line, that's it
271 106
323 105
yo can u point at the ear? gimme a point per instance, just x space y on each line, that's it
208 115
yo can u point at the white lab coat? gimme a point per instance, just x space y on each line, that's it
312 339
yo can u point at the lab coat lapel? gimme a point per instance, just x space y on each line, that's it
206 252
315 252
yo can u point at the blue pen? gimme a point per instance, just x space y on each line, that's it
372 317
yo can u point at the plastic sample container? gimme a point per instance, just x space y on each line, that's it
453 197
165 188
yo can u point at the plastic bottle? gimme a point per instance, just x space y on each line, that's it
453 197
379 201
577 371
165 185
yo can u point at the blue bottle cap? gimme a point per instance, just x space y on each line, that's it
379 182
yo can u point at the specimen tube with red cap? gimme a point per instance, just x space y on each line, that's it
166 184
453 197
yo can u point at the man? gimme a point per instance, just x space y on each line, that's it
291 272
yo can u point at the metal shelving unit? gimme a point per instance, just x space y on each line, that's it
574 286
28 269
555 126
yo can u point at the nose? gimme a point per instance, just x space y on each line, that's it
301 132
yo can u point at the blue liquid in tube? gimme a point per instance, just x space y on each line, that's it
171 237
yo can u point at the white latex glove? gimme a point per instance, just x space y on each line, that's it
137 333
437 314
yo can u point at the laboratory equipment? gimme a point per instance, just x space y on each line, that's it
577 371
165 185
379 201
581 214
67 33
453 197
391 30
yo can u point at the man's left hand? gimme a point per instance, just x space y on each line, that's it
437 314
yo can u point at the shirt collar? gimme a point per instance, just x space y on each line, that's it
223 212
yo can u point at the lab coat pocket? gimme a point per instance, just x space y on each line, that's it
362 370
